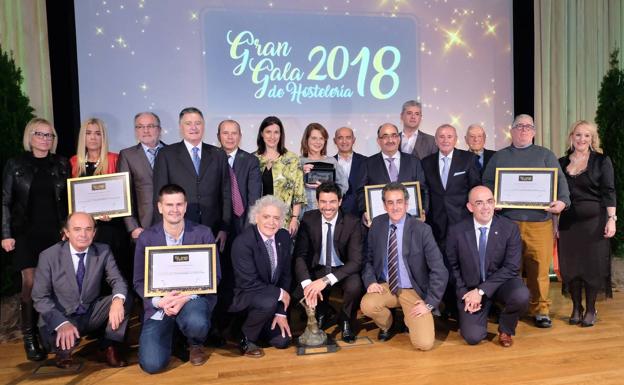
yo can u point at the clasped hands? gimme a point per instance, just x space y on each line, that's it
173 302
472 301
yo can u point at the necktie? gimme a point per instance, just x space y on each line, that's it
80 273
479 162
393 261
196 159
445 171
328 248
152 155
482 247
237 200
268 243
392 170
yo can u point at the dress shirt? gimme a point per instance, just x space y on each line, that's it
345 164
441 161
231 156
480 155
397 161
145 148
407 144
404 280
335 260
478 225
189 149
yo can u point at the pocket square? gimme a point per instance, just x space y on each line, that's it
459 173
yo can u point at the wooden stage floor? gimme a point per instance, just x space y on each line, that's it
563 354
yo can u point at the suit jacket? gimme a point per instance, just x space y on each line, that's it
247 171
134 161
55 291
449 205
347 244
502 255
208 195
349 198
487 154
374 171
252 269
425 145
421 256
194 234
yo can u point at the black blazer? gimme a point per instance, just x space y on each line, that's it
600 172
502 255
487 155
449 205
349 198
247 171
374 171
347 243
421 255
252 269
208 195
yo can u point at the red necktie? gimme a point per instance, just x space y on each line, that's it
237 200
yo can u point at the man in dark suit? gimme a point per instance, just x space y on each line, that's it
138 161
391 165
475 139
485 253
67 293
262 275
413 140
191 313
328 254
202 171
351 162
403 267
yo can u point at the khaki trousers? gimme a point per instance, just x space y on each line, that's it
537 252
376 306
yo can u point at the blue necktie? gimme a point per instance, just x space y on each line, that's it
328 248
80 273
393 261
196 159
482 247
479 162
152 155
445 171
269 246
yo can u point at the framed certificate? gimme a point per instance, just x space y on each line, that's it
320 176
374 201
525 188
190 269
100 195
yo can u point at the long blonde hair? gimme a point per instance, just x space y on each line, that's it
595 140
81 151
29 131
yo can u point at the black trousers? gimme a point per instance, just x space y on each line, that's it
258 320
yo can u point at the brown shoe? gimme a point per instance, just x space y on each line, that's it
504 340
197 355
63 359
112 357
250 349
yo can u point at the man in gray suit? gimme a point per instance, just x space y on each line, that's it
413 140
138 161
67 293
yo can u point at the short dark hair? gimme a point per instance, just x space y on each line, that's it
269 121
328 187
387 124
170 189
190 110
394 186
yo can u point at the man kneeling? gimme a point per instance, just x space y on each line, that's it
191 313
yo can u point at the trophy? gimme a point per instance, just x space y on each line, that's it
314 340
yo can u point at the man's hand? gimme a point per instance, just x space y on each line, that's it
313 292
472 301
66 336
285 299
221 238
555 207
8 244
375 288
282 322
176 305
420 308
169 299
136 232
116 313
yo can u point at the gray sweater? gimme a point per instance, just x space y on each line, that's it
532 156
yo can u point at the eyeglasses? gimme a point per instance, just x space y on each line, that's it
149 126
489 202
524 127
389 136
44 135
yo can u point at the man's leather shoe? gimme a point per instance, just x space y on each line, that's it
250 349
347 334
112 357
63 359
504 340
197 355
385 335
543 322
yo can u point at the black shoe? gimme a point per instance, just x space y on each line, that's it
589 319
250 349
385 335
543 322
29 333
347 334
575 317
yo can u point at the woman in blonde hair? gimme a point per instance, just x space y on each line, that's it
585 228
34 205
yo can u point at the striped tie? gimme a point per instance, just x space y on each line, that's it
393 261
237 199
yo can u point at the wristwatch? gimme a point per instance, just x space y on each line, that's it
481 292
614 217
429 307
326 280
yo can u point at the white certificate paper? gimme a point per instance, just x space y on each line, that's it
529 187
176 269
100 196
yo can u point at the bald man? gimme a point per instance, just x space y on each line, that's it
351 163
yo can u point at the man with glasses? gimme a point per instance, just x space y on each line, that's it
536 227
390 165
493 277
138 161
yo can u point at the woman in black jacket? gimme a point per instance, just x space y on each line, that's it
34 205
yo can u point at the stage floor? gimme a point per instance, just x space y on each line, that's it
563 354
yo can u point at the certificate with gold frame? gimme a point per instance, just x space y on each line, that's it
189 269
525 188
374 202
100 195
